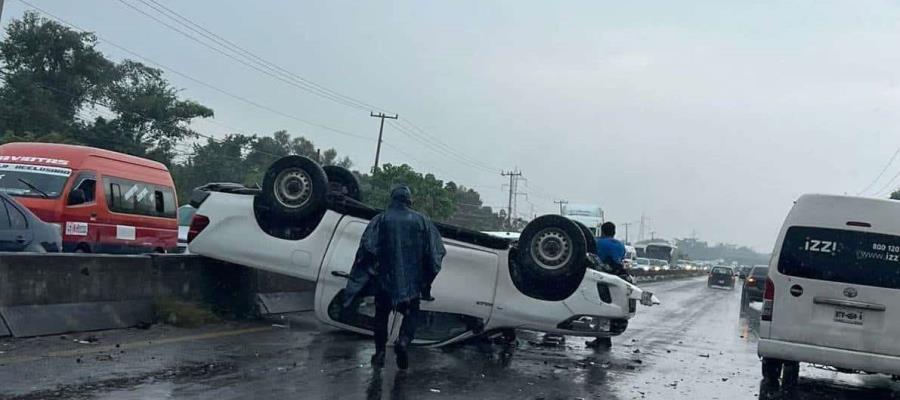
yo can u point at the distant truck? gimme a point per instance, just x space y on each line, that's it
588 214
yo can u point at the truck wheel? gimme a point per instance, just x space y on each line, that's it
790 373
589 238
771 369
551 258
341 180
294 187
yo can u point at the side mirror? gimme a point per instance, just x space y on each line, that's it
77 197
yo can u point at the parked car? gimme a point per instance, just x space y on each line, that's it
642 264
721 277
104 201
21 230
659 265
754 285
832 297
307 221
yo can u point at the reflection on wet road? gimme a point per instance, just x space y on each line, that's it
696 345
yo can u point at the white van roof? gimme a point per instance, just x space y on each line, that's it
845 212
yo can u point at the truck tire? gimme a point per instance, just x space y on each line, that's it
551 258
771 369
589 239
341 180
294 187
790 373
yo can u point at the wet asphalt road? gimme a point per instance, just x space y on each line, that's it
696 345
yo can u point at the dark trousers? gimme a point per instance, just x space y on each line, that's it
383 308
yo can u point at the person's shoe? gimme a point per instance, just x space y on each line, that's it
402 356
378 359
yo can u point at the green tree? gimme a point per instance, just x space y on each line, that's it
429 195
49 72
895 195
151 118
469 210
212 161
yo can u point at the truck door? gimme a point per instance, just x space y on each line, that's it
463 291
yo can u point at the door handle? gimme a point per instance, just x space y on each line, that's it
20 239
340 274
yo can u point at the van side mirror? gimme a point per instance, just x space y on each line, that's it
77 197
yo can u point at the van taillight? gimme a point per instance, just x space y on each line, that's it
768 300
198 223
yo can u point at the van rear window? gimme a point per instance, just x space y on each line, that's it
837 255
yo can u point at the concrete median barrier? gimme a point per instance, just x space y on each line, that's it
44 294
650 276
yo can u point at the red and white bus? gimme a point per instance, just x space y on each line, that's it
103 201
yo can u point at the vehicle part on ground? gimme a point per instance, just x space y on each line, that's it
551 259
341 180
294 187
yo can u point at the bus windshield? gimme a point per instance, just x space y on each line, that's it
33 180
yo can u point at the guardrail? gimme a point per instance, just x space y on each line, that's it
650 276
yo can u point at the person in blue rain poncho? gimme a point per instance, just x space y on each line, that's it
399 257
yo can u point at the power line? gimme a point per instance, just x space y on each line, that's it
437 150
437 142
883 170
198 81
108 108
887 187
252 60
429 140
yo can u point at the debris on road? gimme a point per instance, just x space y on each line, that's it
704 355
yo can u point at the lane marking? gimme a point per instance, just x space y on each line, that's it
132 345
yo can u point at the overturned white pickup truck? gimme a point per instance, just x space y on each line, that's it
307 221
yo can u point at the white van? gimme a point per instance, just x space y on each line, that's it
833 293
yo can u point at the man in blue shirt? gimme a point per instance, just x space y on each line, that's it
611 251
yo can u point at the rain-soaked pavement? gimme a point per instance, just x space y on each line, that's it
696 345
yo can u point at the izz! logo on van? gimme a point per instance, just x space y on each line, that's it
38 160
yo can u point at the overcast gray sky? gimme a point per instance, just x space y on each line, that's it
708 115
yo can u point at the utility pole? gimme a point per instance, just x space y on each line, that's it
643 226
380 130
1 12
513 183
561 204
626 225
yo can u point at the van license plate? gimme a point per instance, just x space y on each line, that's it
848 316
